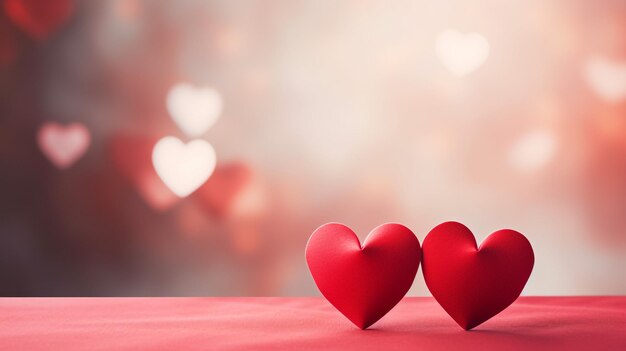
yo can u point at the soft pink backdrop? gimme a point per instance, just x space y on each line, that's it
331 112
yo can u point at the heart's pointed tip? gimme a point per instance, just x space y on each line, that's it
363 326
468 326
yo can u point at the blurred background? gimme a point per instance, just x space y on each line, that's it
297 113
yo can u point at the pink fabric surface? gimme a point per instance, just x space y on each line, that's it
531 323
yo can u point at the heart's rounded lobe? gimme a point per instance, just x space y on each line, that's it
363 282
472 283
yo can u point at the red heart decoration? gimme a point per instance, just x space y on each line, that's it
472 283
363 282
38 18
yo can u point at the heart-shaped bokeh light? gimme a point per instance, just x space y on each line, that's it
63 145
462 53
183 167
227 184
194 109
131 156
607 78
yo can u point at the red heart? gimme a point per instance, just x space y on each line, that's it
38 18
363 282
474 284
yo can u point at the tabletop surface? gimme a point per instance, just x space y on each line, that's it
531 323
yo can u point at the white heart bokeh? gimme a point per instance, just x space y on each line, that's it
63 145
183 167
194 109
607 78
461 53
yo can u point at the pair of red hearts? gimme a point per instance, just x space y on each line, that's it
471 283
